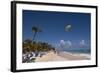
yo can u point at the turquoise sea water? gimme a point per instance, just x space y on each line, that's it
78 50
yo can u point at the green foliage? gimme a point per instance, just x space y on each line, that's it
28 45
31 45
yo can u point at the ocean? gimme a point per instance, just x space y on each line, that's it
78 50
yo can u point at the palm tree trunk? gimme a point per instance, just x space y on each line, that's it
34 36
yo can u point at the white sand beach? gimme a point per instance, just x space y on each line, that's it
61 56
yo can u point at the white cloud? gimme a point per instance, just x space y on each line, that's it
82 42
62 42
68 43
65 44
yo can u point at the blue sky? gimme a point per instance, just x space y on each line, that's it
53 25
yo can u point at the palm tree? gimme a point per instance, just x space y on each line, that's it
35 30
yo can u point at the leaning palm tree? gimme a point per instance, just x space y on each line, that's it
35 30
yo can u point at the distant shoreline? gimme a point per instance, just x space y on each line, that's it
62 56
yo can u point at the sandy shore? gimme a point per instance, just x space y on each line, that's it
61 56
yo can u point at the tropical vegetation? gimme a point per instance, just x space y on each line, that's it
31 48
